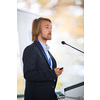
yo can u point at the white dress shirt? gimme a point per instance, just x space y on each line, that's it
46 48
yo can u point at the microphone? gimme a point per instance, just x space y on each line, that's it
63 42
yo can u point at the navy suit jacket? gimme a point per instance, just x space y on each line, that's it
40 78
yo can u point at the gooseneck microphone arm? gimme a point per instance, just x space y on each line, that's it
72 47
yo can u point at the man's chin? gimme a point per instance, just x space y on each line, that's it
49 38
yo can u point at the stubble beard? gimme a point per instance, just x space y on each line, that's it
46 38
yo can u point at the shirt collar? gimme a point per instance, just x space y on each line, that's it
46 47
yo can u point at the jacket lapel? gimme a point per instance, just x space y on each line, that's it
41 49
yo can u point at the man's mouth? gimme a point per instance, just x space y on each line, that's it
49 34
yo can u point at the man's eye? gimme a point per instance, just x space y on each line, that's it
48 27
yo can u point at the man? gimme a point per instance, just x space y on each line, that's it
39 65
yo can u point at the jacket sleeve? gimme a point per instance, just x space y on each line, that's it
29 68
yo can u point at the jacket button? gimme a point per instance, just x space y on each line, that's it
32 86
50 78
52 86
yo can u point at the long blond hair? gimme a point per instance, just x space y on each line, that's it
36 27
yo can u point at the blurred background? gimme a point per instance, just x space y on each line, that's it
68 25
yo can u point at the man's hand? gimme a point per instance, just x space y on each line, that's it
58 72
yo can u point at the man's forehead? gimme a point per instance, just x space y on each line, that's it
46 23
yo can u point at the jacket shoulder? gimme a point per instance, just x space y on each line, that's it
30 47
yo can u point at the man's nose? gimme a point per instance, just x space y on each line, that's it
50 30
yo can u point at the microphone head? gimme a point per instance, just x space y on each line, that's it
63 42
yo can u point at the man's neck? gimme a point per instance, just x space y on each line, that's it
43 41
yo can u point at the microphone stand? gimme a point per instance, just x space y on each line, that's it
72 47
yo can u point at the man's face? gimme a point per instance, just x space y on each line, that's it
46 30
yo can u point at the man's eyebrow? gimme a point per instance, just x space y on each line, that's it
48 25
